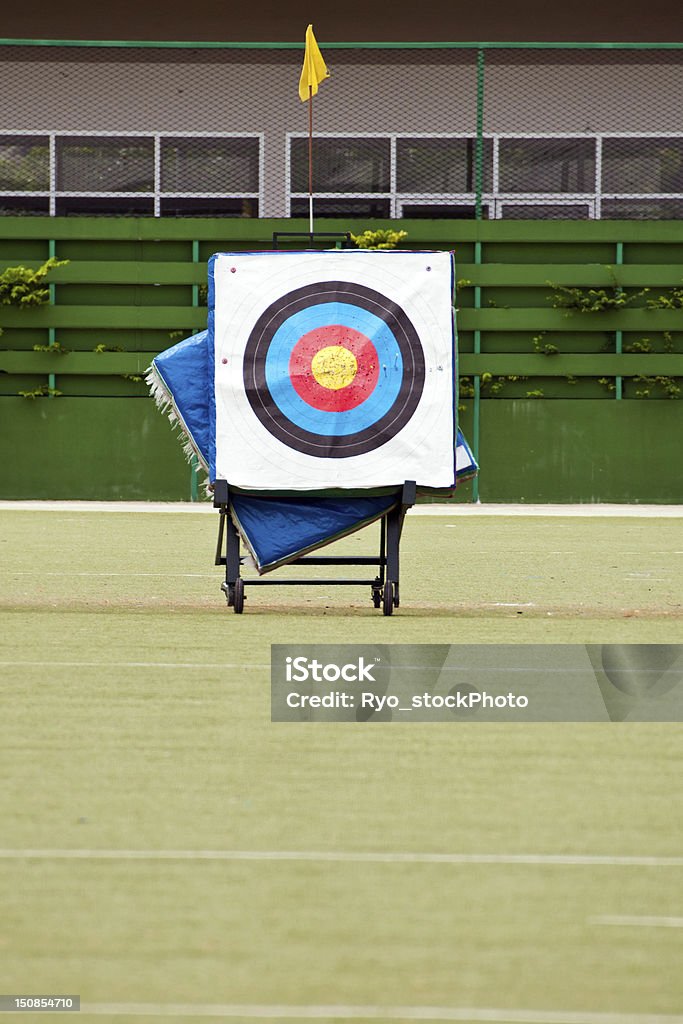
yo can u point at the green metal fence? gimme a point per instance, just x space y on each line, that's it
422 130
570 338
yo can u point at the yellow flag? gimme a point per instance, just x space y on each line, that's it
314 69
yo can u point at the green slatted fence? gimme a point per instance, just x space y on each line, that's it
554 399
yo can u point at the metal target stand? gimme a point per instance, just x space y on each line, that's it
384 588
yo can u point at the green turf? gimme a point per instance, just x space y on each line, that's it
136 716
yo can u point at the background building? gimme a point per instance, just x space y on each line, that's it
354 20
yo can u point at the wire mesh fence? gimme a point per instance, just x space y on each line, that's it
461 131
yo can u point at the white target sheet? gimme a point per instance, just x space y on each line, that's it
333 369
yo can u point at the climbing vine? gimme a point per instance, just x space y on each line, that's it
381 239
23 287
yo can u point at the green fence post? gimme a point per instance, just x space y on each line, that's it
479 145
51 333
194 461
479 188
618 336
477 380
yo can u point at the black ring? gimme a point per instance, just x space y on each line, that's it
326 446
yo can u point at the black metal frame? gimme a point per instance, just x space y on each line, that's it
312 236
384 588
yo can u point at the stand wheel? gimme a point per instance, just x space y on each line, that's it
229 594
377 593
238 597
388 602
396 599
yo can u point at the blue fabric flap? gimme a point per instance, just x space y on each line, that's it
277 530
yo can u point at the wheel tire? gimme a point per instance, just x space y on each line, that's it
238 597
388 601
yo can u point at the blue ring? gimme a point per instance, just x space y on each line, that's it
320 421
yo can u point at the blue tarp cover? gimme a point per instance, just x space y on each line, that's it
278 530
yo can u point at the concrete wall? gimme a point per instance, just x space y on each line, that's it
353 20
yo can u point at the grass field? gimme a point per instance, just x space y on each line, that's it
168 852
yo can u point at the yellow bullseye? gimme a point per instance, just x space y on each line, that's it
334 367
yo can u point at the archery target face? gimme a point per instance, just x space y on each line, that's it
333 369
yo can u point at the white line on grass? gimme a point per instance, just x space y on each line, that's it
350 856
631 921
460 509
505 670
583 511
426 1013
163 575
135 664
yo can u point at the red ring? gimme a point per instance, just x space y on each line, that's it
328 399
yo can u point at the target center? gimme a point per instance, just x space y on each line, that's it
334 367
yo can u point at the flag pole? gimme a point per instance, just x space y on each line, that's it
310 159
313 72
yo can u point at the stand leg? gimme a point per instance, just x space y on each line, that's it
378 585
221 533
408 499
232 552
393 533
394 526
233 587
